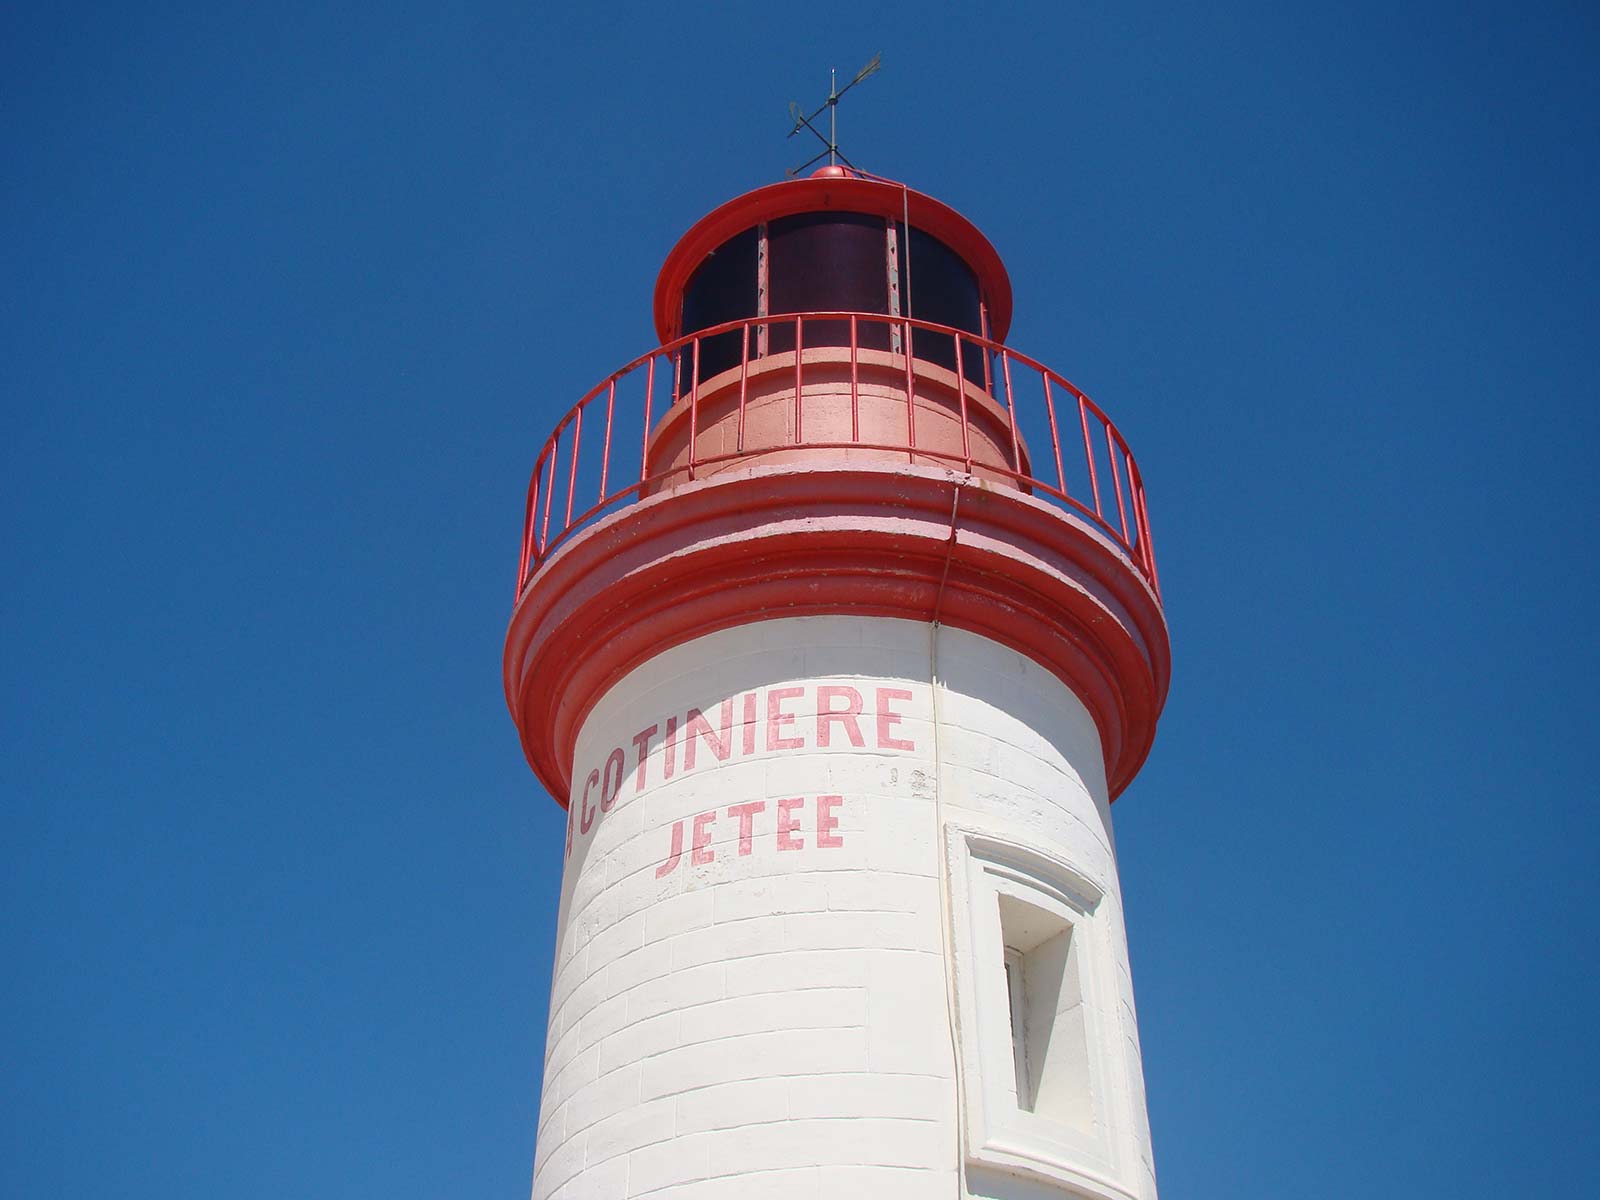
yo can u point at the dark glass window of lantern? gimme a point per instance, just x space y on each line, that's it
831 262
828 262
723 288
943 290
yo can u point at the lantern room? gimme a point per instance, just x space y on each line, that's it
837 242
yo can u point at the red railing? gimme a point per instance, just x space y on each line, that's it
1027 399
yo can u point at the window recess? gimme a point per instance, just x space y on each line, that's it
1049 1037
1044 1057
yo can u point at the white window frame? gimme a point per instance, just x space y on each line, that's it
1000 1135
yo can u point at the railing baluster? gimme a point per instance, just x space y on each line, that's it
550 492
572 468
644 442
744 379
1133 499
1116 483
855 390
694 409
605 455
1055 436
1088 454
1011 408
911 405
988 354
530 515
1149 542
522 565
799 386
961 393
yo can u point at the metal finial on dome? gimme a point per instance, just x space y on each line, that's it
831 142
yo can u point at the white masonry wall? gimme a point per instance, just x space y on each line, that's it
754 991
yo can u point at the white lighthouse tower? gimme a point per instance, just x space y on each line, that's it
837 632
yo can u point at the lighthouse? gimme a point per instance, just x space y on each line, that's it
837 632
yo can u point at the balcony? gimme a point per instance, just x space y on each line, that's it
814 390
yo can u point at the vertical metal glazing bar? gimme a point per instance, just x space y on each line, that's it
892 261
1116 483
1088 454
855 386
961 393
763 283
1055 435
799 434
694 409
744 380
1011 409
572 467
605 455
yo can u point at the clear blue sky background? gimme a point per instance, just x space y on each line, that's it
291 296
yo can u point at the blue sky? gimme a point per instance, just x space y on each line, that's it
292 295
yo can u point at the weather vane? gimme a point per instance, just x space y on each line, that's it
831 142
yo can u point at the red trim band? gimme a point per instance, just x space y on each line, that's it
872 541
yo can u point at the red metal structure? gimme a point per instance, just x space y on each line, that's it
992 443
833 423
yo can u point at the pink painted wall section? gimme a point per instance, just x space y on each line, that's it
748 418
750 993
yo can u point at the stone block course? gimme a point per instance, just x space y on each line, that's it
732 1105
755 1056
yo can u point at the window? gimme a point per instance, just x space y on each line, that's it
1050 1051
833 261
1044 1059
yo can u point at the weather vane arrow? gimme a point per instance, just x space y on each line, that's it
830 144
